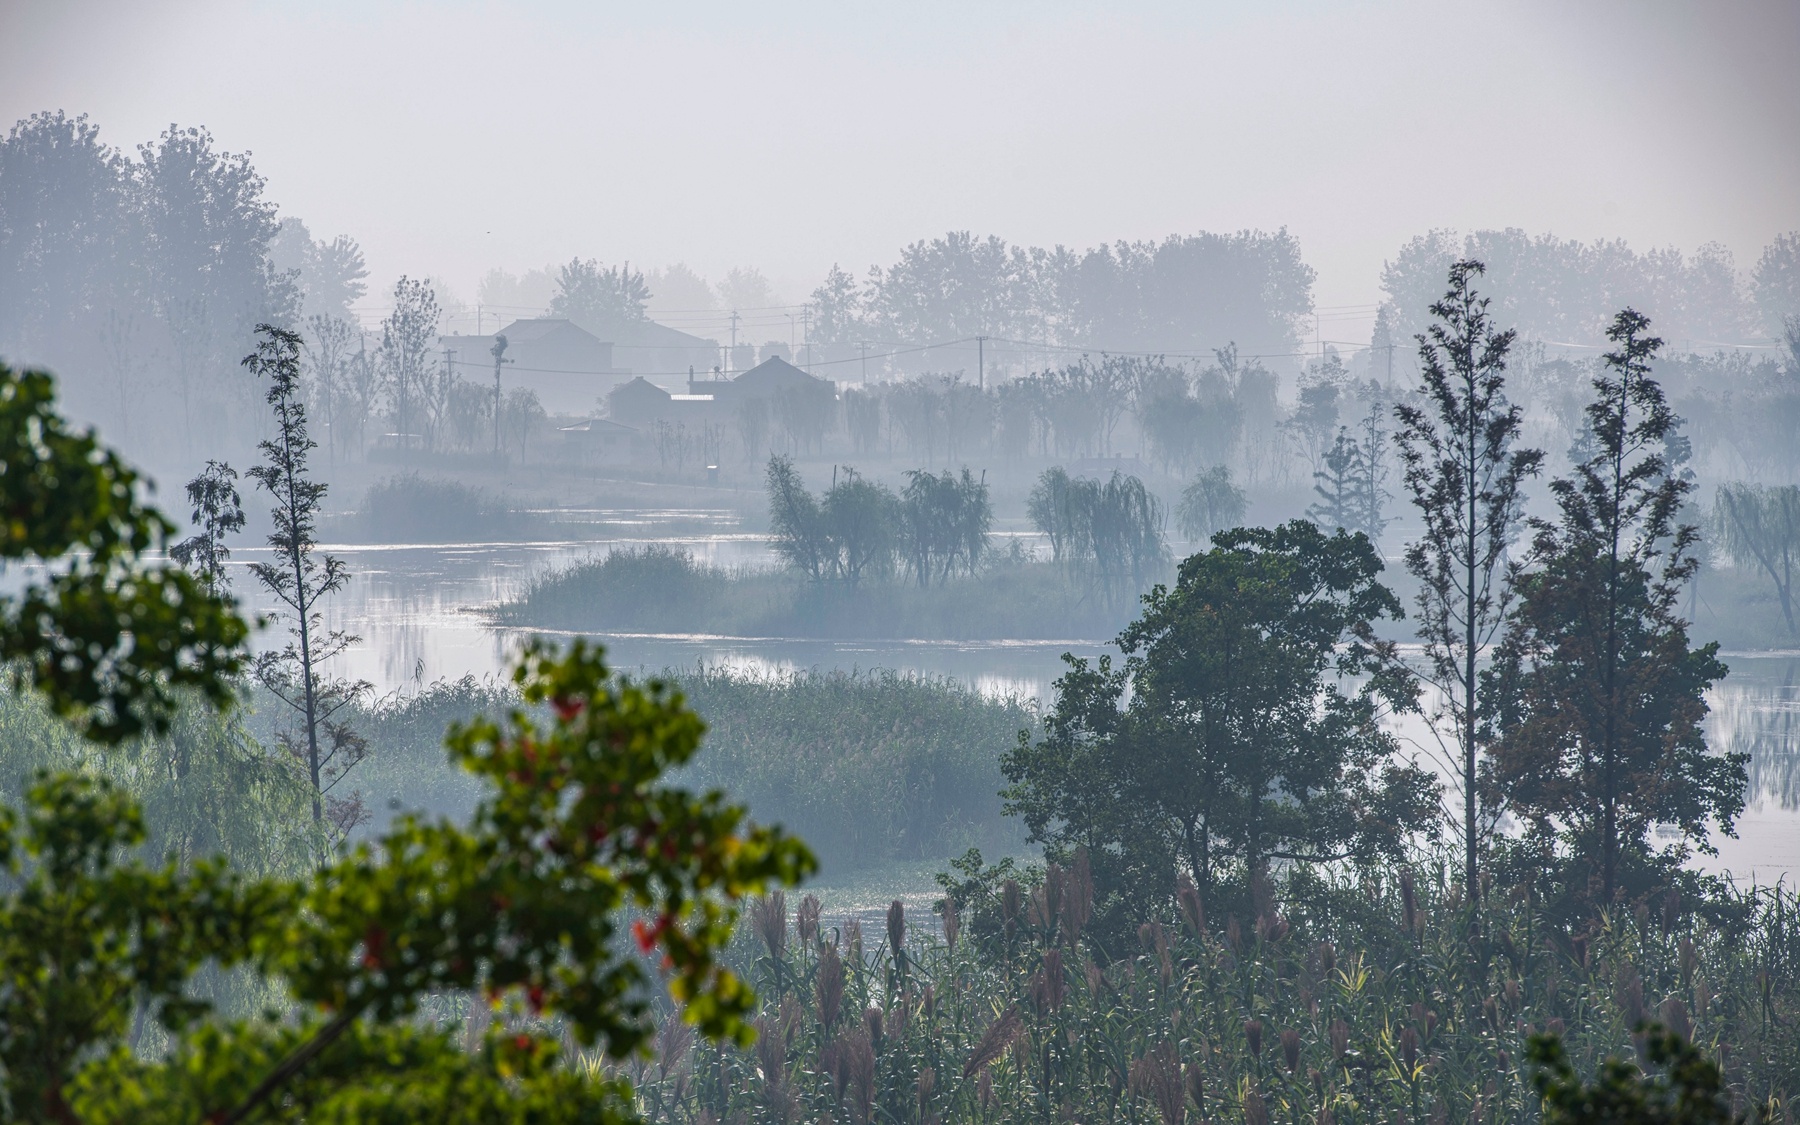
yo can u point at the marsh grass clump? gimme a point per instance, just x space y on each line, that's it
414 508
652 588
867 766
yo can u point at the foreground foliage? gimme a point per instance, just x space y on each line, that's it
525 906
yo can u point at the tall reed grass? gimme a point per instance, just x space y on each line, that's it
1379 997
865 767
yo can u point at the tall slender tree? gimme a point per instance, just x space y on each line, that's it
328 344
1597 692
1463 471
408 336
300 577
218 511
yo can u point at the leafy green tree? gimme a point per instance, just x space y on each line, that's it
795 521
862 526
328 340
67 235
1107 535
301 579
408 337
1232 737
206 230
1687 1088
109 642
1464 474
218 512
1600 695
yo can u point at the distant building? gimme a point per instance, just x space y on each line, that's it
569 368
598 440
768 379
642 403
638 403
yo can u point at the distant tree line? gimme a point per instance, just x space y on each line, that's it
1185 293
147 273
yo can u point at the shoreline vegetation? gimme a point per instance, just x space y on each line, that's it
667 590
658 589
872 768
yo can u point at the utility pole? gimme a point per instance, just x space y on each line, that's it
981 362
731 359
865 363
498 351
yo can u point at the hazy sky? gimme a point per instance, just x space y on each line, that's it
453 137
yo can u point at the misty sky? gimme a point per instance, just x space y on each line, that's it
450 138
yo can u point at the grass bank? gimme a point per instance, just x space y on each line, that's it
410 508
869 768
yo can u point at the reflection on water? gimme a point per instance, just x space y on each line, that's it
1754 712
418 609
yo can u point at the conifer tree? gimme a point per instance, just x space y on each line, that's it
1598 694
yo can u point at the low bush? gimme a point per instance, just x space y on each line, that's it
655 588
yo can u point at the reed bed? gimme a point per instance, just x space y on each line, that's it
1376 998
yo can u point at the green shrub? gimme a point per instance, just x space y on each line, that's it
650 588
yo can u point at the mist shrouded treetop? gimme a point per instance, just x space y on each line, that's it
1186 294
